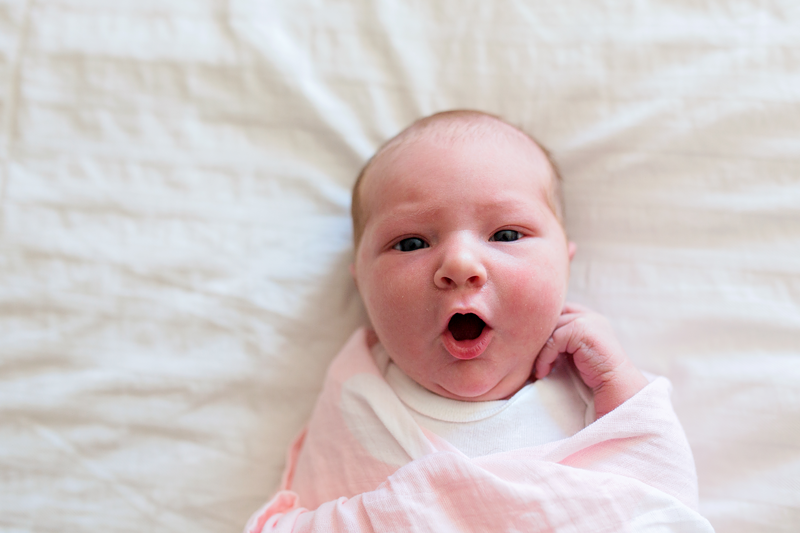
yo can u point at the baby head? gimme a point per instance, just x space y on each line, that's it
461 257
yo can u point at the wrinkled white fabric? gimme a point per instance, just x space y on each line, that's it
174 231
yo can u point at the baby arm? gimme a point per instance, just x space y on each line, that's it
587 337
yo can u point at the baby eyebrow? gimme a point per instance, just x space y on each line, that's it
511 205
507 208
406 214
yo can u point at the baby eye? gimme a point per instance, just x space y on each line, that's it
506 235
410 244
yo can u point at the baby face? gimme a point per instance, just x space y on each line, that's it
462 265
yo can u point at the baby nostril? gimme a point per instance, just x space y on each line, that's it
445 281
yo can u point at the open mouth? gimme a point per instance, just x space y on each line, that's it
467 336
466 327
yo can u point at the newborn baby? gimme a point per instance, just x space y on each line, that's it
462 262
472 357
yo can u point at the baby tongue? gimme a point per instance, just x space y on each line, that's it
464 327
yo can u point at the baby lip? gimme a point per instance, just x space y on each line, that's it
466 346
464 311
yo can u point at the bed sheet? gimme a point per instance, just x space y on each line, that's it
174 238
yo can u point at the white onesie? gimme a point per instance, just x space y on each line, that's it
544 411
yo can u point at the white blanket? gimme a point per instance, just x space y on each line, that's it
174 229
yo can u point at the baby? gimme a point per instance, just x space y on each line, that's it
462 262
473 358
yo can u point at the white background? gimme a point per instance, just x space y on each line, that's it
174 196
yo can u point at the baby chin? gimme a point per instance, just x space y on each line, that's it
476 381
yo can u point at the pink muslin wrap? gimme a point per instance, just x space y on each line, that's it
630 470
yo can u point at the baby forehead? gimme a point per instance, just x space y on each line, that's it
441 132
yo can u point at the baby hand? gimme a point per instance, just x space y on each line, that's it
587 337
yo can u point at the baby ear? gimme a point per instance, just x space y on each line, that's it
571 247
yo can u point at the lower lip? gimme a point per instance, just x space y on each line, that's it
467 349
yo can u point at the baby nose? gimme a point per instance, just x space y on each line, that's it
461 267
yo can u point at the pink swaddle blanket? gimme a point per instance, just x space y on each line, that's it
630 470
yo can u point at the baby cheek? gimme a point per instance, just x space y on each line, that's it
394 297
537 299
